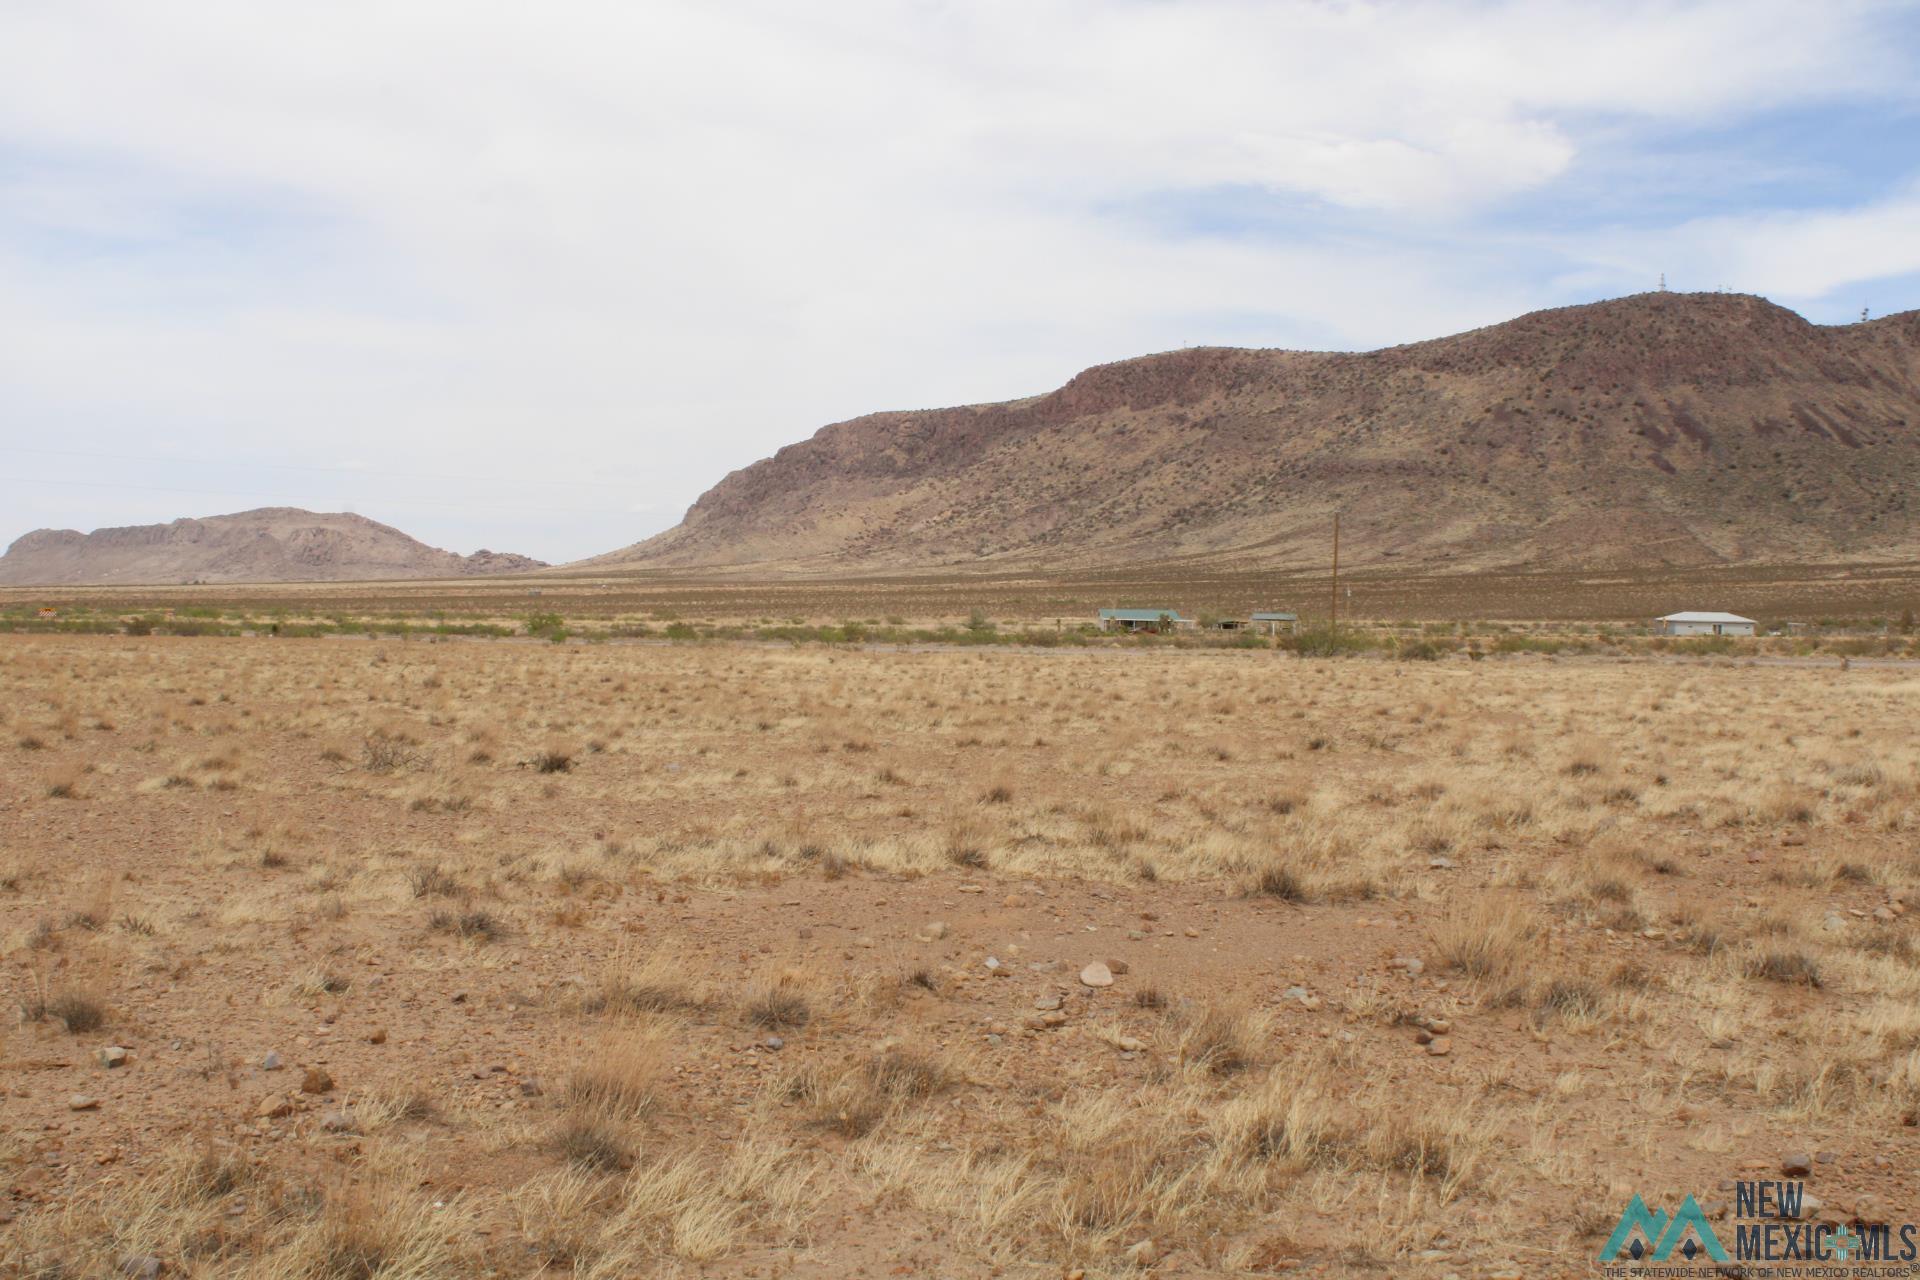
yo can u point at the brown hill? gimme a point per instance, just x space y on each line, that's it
273 544
1657 429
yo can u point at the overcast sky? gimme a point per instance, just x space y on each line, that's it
533 276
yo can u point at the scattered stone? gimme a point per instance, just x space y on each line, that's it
1134 935
340 1120
1096 975
775 1043
459 997
993 964
1824 1157
1294 993
1440 1046
970 888
1130 1044
1423 1036
530 1087
1834 922
1013 900
1143 1253
1796 1164
83 1102
1439 1026
1046 1002
379 1036
1440 864
273 1061
1118 967
1810 1206
273 1106
1193 933
112 1056
316 1080
1411 964
1884 914
141 1266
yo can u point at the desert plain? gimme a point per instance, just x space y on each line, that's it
397 957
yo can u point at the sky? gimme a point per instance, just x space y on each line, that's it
533 277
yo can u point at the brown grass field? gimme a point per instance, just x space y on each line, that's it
455 958
1797 593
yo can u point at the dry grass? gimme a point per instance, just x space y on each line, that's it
712 988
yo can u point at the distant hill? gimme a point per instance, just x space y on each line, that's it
273 544
1674 429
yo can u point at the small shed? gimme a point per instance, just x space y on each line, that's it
1705 624
1142 620
1273 623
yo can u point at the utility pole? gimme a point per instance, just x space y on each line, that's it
1335 624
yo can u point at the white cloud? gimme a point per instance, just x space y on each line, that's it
1792 255
651 242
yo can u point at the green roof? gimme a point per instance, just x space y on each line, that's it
1276 617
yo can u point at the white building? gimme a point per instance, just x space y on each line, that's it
1705 624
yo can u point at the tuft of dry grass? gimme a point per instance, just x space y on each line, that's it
653 985
1790 967
475 925
78 1010
777 1005
1221 1038
854 1097
1488 939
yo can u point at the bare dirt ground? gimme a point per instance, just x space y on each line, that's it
450 959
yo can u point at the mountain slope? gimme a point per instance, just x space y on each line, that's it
1661 428
272 544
